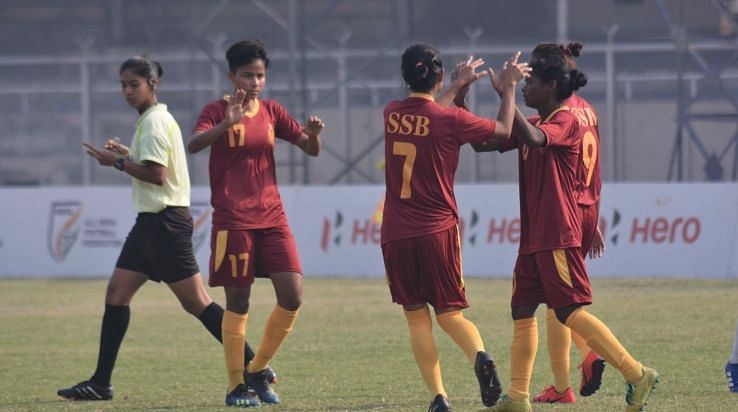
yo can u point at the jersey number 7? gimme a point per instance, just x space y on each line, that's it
408 150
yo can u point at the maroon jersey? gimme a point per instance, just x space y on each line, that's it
589 177
243 180
549 213
422 142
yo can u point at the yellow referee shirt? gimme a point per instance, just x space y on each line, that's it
159 140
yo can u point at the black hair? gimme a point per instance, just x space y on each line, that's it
551 63
421 67
246 52
143 66
569 52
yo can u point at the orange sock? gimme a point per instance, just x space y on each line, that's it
599 337
234 336
558 342
522 355
424 349
276 330
581 344
463 332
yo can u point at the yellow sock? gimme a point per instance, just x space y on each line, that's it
234 336
424 349
522 355
278 326
599 337
558 342
581 344
463 332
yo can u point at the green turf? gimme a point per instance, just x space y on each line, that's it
349 349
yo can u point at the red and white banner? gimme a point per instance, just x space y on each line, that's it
671 230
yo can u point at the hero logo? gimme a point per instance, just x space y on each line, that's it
655 230
362 231
495 230
63 229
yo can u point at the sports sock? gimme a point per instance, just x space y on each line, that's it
522 355
114 327
734 355
424 350
212 318
600 338
234 335
558 343
463 332
276 330
581 345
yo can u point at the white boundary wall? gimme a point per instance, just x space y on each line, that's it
670 230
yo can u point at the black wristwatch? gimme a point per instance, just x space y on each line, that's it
119 163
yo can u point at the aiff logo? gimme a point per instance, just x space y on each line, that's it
64 226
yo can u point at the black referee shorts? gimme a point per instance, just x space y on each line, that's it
160 246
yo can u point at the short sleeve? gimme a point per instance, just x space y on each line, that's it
514 141
154 142
210 116
285 126
559 129
471 128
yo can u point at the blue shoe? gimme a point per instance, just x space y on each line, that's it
489 383
259 383
269 372
440 404
242 398
731 371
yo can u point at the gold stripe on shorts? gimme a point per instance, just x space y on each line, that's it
461 265
561 266
221 241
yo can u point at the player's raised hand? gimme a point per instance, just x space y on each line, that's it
460 98
513 72
314 126
103 157
465 73
234 110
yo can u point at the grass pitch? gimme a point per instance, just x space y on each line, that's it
349 349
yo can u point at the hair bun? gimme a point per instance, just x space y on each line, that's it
421 69
574 49
577 79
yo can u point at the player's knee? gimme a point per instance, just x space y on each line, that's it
562 314
115 296
291 303
193 306
240 306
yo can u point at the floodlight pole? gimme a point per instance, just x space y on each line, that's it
85 97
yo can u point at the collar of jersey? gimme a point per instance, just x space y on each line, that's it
425 96
562 108
156 106
248 114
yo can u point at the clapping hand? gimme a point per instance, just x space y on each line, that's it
511 74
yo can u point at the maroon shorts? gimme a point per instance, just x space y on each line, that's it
426 269
557 278
238 256
588 215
